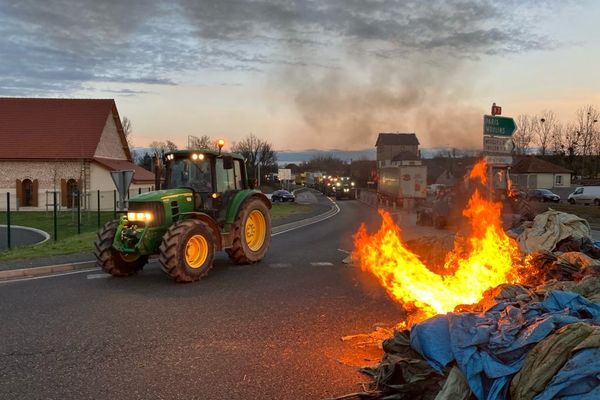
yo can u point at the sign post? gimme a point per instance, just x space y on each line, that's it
122 180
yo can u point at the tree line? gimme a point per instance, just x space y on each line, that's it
574 144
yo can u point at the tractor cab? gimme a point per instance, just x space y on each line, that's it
213 177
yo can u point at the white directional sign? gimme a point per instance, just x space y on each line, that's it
498 161
494 144
284 174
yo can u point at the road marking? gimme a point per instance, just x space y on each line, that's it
344 251
335 212
280 265
98 276
321 264
50 276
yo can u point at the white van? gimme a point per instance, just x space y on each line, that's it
585 195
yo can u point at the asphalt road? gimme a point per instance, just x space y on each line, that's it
267 331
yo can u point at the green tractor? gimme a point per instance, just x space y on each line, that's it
206 206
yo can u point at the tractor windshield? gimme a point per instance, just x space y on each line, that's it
194 174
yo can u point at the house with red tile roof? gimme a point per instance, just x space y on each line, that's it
64 146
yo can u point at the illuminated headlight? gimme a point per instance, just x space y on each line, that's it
338 184
140 216
346 190
352 183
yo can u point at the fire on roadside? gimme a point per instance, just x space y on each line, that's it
484 259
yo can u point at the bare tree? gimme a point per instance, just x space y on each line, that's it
202 142
170 146
587 117
158 148
259 154
544 127
524 134
557 139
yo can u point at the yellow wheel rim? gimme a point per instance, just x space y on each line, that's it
196 251
255 230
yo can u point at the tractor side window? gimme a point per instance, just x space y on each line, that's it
225 179
238 174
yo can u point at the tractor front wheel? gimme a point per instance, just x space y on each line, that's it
112 261
251 233
187 251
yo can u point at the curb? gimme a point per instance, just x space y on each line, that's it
47 270
32 272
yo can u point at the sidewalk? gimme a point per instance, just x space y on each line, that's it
86 260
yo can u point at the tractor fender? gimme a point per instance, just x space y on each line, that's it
240 198
211 224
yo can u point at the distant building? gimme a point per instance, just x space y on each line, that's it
62 146
534 173
394 148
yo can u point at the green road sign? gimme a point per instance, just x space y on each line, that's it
499 126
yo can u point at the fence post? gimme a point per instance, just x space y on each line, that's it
8 219
55 217
98 208
115 202
78 212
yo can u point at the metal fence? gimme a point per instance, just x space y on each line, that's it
60 215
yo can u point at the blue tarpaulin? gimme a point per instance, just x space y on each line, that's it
490 347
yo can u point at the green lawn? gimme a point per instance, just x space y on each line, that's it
70 242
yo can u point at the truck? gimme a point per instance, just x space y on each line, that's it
205 206
402 183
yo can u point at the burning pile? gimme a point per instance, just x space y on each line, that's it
521 336
487 258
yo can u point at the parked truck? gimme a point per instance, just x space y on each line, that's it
403 184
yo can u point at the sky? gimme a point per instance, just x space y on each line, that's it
306 74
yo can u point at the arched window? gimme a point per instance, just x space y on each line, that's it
27 190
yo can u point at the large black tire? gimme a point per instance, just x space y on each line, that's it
175 258
240 252
112 261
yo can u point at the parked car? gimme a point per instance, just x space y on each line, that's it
282 196
585 195
542 195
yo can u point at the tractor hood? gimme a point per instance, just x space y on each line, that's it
160 195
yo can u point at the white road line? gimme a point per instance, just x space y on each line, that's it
321 264
337 210
344 251
98 276
50 276
280 265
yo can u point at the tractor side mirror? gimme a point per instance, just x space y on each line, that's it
227 162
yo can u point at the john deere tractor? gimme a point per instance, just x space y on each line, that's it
206 206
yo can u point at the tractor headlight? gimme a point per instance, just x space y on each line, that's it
338 184
352 183
140 216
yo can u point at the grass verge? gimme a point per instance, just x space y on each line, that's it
70 242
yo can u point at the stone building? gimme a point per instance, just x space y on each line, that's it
393 148
65 146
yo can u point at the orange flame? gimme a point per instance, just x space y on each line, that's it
486 259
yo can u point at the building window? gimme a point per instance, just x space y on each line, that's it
27 190
559 180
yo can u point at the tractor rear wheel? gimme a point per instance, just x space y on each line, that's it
187 250
112 261
251 233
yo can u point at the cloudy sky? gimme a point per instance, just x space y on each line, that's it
306 73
